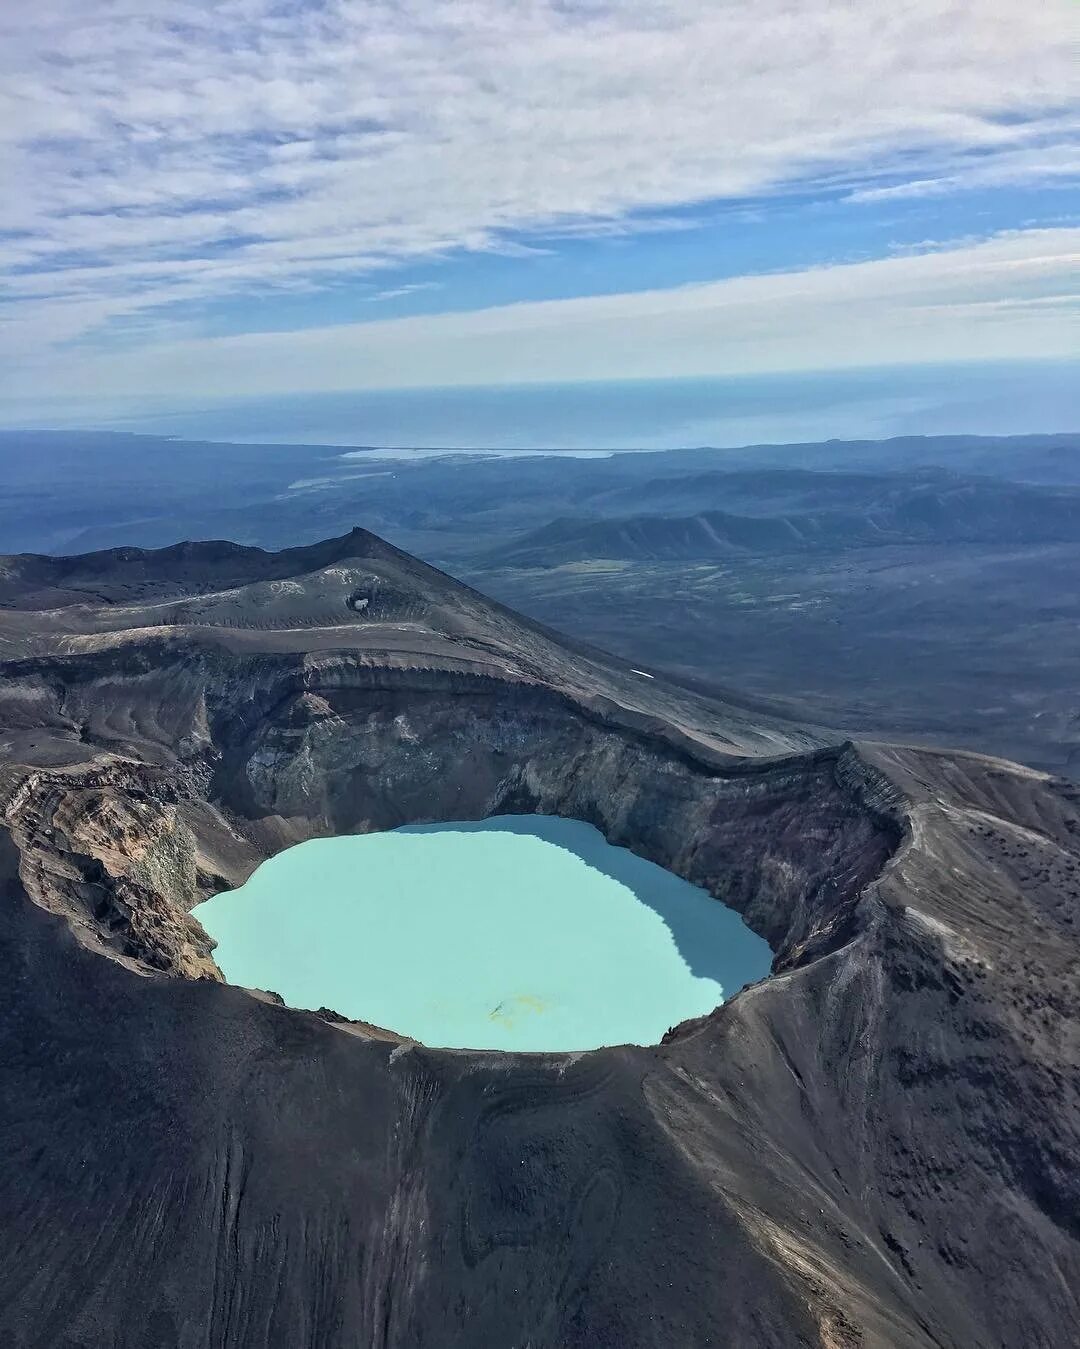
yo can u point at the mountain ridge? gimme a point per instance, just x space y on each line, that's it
941 512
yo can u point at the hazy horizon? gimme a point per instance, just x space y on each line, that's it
1005 399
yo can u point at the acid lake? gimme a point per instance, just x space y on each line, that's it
513 933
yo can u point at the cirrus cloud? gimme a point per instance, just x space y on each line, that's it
172 152
1006 298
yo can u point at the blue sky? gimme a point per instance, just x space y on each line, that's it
696 244
253 199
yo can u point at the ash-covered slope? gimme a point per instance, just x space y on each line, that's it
875 1146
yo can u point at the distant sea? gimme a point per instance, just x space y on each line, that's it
986 399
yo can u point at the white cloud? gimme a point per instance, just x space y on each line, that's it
180 150
1019 167
397 292
1011 297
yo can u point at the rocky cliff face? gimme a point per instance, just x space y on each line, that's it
874 1146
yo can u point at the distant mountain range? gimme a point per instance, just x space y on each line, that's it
831 576
75 491
885 511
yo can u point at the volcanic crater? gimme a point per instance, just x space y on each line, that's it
873 1146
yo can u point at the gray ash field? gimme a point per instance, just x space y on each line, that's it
875 1146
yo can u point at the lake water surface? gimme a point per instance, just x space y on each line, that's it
516 933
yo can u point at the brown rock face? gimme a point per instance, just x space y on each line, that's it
875 1146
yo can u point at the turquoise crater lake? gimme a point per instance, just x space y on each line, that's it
513 933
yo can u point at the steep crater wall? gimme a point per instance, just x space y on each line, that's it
789 844
272 751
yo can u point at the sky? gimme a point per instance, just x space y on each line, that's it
223 200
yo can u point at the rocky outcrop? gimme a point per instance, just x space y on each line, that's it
873 1147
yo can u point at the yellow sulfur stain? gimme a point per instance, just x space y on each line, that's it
509 1009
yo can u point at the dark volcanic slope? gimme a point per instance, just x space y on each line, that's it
875 1147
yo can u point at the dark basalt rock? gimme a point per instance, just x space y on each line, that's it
876 1146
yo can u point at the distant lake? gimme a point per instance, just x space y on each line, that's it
514 933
